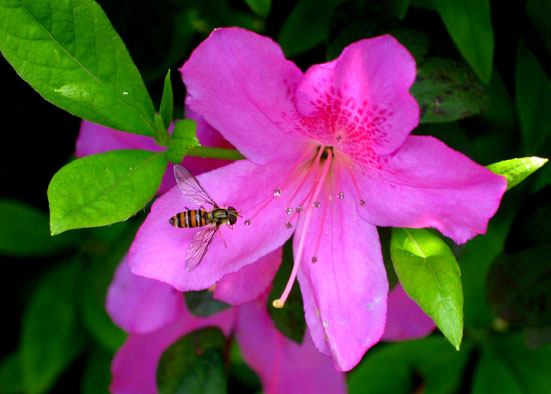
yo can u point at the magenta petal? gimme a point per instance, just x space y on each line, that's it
159 249
405 320
241 83
141 305
345 291
284 367
427 184
362 97
134 367
250 282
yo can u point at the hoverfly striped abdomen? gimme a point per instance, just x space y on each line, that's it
191 218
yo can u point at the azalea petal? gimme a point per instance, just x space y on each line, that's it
362 98
241 83
159 250
405 320
345 291
249 282
134 367
284 367
427 184
141 305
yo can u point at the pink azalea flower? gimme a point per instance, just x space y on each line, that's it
329 159
155 316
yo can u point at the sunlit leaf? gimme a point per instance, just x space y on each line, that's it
517 170
104 188
70 54
429 274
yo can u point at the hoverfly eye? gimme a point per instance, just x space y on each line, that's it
232 218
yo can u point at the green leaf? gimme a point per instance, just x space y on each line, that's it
398 8
289 320
430 360
539 12
167 101
533 89
470 26
97 373
306 26
11 381
201 303
183 140
239 370
416 42
24 231
507 366
446 91
537 337
104 188
70 54
194 364
429 274
517 170
260 7
519 287
51 336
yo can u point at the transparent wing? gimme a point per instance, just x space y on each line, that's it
199 246
190 186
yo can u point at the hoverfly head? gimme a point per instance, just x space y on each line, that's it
232 215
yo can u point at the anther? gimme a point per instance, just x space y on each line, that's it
299 209
339 138
247 222
316 204
278 304
314 259
288 225
289 211
362 202
277 192
341 195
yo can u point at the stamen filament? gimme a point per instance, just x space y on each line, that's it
362 201
280 302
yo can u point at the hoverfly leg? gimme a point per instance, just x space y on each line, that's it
221 236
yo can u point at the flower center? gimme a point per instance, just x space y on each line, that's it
322 167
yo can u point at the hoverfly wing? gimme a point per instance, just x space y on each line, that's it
190 186
198 247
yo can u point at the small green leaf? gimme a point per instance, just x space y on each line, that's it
519 287
429 274
539 12
201 303
533 89
70 54
97 373
470 26
398 8
289 320
517 170
194 364
104 188
183 140
51 336
260 7
24 231
11 381
306 26
447 91
167 101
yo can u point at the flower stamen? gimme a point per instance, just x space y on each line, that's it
280 302
362 201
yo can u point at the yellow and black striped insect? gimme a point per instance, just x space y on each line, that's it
190 218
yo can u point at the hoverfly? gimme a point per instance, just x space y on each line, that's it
192 189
